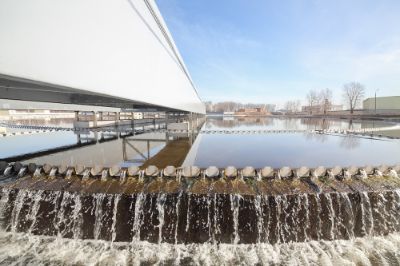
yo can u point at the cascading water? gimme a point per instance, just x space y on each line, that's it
347 215
5 194
114 217
7 171
37 172
52 173
16 210
190 227
260 219
306 221
367 221
235 201
21 172
178 204
86 174
138 216
162 217
33 212
161 214
69 173
98 214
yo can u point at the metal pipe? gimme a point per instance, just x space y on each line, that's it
375 99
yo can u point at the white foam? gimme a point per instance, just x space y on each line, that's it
21 248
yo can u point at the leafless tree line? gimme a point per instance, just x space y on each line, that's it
317 101
292 106
321 98
230 106
353 94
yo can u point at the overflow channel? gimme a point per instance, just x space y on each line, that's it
193 205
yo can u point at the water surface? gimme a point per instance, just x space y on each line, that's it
238 148
292 149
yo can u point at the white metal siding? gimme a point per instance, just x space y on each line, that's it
113 47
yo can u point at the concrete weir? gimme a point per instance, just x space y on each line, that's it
193 205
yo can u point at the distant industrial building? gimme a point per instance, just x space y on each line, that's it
321 108
382 104
258 111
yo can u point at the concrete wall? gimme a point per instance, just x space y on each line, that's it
118 48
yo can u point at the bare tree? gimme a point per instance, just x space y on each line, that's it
297 105
353 94
325 96
312 99
292 106
288 106
270 107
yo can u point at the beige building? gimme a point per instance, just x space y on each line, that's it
252 111
383 103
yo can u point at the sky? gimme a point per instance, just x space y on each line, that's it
264 51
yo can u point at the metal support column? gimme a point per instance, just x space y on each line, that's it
166 120
190 117
133 123
117 118
148 149
95 119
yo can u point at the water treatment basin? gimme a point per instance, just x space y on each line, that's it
222 141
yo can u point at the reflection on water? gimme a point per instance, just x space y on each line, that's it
274 123
235 122
161 149
154 148
25 144
296 149
107 211
124 151
106 148
350 142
